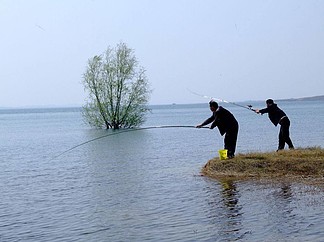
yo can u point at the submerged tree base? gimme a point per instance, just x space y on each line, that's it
307 163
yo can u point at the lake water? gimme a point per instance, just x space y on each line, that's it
146 185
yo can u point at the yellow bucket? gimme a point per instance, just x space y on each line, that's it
222 154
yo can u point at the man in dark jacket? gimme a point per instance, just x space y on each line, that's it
226 123
277 116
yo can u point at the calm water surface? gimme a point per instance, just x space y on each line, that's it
145 185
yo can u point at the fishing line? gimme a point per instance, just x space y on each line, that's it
123 131
249 107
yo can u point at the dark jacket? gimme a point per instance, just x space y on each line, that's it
275 114
223 119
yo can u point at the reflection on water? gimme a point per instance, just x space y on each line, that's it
264 211
282 219
232 216
225 211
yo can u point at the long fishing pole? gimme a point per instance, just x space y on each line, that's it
249 107
123 131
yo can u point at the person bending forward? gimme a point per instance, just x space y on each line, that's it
277 116
226 123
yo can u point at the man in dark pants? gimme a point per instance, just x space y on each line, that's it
277 116
226 123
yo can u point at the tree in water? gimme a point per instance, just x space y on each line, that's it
118 90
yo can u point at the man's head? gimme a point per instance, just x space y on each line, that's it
269 102
213 105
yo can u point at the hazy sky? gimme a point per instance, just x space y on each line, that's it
234 50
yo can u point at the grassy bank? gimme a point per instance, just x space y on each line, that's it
299 163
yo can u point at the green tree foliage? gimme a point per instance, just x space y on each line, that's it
118 89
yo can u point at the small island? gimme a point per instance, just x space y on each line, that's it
302 164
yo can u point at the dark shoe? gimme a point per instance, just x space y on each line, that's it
231 156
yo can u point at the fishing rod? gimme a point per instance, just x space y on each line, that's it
249 107
123 131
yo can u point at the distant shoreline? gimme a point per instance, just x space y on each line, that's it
313 98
